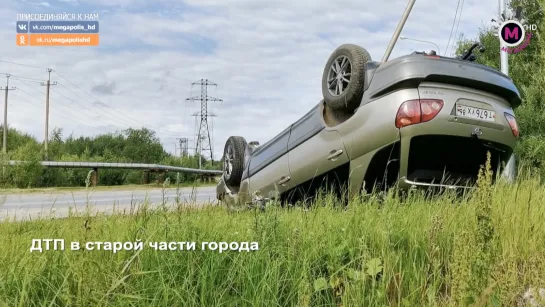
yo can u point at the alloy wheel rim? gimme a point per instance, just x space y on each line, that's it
339 75
228 161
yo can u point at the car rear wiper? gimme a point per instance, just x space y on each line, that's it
468 54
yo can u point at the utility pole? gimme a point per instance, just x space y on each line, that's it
5 140
48 85
397 31
511 165
504 60
204 142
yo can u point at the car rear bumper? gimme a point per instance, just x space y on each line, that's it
406 184
435 157
508 174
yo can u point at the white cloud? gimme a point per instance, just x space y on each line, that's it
266 56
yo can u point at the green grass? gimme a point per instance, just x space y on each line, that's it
488 247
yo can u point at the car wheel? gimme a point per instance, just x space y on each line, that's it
344 76
233 160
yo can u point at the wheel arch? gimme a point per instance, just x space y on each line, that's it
383 169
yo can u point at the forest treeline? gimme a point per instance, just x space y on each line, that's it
127 146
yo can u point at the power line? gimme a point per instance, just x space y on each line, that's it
77 113
452 28
26 78
67 88
96 110
20 64
30 95
82 105
98 100
68 117
457 25
105 115
20 77
71 116
138 123
93 97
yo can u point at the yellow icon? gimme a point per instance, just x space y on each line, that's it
22 39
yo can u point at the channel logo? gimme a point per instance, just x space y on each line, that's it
512 33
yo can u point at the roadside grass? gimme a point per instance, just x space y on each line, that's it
485 248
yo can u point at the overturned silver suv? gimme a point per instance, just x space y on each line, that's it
416 121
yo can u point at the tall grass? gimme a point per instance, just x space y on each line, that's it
487 247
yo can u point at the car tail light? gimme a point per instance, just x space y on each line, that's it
417 111
513 124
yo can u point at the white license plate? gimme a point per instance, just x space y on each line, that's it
475 113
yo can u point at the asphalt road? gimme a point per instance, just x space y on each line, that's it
21 206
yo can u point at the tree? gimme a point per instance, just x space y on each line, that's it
143 146
527 69
16 138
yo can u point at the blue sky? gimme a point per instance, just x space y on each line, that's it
266 56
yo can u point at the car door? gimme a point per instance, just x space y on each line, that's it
269 167
316 156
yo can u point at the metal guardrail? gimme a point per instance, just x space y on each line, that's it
142 166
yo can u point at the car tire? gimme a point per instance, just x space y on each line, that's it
233 160
347 97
